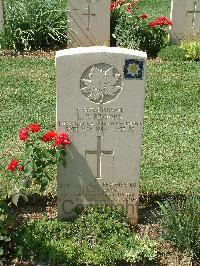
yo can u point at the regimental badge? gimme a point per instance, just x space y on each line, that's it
134 69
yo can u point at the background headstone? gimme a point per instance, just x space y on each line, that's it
89 22
1 15
100 104
185 16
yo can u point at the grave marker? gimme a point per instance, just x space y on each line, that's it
89 22
185 16
100 104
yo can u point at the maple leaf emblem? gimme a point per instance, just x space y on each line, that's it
102 84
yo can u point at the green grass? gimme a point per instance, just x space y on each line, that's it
170 157
155 8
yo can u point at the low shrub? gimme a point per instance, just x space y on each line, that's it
5 222
181 222
34 24
172 53
99 236
191 50
137 30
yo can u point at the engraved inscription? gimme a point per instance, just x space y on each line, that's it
99 152
100 119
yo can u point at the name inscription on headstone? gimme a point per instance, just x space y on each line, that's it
100 104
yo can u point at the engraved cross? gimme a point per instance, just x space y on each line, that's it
99 152
89 14
194 12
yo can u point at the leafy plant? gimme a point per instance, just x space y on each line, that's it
5 222
181 222
35 24
39 154
137 30
172 53
191 50
100 236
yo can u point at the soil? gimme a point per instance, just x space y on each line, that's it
33 54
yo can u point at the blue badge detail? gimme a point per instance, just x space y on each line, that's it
134 69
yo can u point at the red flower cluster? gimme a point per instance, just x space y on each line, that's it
143 16
62 139
116 4
50 135
12 165
161 21
23 133
59 139
34 127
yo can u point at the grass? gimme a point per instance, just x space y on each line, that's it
170 149
155 8
170 157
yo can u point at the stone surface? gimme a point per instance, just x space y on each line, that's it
100 104
1 15
89 22
185 16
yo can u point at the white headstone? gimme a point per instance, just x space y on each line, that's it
100 104
89 23
1 15
185 16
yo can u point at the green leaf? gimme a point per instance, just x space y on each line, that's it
27 182
44 182
28 169
47 155
29 151
63 153
24 196
15 198
34 167
56 156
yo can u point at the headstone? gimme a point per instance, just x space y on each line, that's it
1 15
185 16
89 23
100 104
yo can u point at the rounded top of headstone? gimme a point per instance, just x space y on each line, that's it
101 49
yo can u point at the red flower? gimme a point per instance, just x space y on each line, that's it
34 127
152 24
112 7
50 135
161 21
12 165
23 134
62 139
20 167
143 16
116 4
